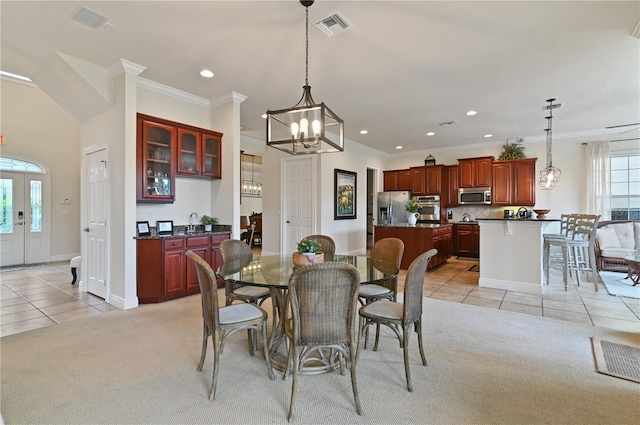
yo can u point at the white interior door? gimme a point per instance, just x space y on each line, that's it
298 201
94 268
22 218
12 219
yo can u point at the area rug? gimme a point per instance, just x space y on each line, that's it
616 284
20 267
475 268
621 361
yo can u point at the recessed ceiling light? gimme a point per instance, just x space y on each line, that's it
363 132
488 135
264 116
431 133
206 73
471 113
398 147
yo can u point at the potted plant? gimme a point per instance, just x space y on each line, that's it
412 208
208 222
514 150
308 253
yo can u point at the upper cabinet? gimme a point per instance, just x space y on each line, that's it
475 172
155 161
514 182
166 149
426 180
397 180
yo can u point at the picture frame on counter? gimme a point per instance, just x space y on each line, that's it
164 227
143 228
344 194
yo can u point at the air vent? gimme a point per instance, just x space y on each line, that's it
88 17
333 24
448 124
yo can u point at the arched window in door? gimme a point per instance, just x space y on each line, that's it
7 190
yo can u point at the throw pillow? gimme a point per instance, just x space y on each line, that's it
607 237
624 231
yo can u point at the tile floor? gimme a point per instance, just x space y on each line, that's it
37 298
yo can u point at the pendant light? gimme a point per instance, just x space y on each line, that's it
302 129
550 175
250 188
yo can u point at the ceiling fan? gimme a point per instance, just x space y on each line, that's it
636 125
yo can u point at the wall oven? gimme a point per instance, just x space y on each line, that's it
429 211
474 196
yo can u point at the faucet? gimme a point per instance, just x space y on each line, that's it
191 227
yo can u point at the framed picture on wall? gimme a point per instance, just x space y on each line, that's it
143 228
164 227
344 189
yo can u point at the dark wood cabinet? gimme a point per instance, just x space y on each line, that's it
514 182
418 240
155 161
467 240
418 181
426 180
166 149
397 180
450 186
475 172
164 272
404 179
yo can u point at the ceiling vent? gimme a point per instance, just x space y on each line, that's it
448 124
88 17
333 24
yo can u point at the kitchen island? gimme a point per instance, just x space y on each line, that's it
511 253
419 239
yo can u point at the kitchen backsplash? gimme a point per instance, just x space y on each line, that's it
479 211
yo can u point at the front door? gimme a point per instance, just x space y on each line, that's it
22 237
298 201
94 268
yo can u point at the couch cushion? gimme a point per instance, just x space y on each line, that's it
607 237
636 231
617 252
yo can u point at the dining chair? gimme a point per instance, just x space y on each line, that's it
222 322
403 315
232 250
389 250
322 301
327 244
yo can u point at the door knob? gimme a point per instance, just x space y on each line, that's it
86 229
288 222
20 223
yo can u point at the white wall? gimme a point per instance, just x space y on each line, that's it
38 130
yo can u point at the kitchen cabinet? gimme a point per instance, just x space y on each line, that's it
164 272
467 239
155 161
397 180
450 185
166 149
426 180
418 240
475 172
514 182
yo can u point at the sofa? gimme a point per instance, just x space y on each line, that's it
616 239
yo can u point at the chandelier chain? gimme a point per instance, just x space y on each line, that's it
306 75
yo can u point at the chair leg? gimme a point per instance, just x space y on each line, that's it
592 264
205 336
354 380
265 348
294 386
406 330
216 364
565 264
74 274
418 325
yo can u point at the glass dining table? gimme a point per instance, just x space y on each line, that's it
274 271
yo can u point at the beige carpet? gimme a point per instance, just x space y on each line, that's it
485 367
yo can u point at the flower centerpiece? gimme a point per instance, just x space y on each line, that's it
208 222
308 253
412 208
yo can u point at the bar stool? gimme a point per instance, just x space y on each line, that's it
549 237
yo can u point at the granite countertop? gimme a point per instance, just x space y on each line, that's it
417 226
181 232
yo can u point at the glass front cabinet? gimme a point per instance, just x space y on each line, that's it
167 149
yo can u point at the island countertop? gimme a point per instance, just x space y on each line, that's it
519 220
417 226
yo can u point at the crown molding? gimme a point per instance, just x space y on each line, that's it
171 92
226 98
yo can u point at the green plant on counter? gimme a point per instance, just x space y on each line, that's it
309 245
412 206
208 220
514 150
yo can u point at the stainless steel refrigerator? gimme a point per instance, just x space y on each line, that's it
391 208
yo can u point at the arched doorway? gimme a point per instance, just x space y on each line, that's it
23 212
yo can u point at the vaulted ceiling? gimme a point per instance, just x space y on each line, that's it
399 71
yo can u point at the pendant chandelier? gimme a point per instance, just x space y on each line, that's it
550 175
302 129
249 188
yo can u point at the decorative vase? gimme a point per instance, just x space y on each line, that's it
412 218
307 258
208 227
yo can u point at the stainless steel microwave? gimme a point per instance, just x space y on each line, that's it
474 196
